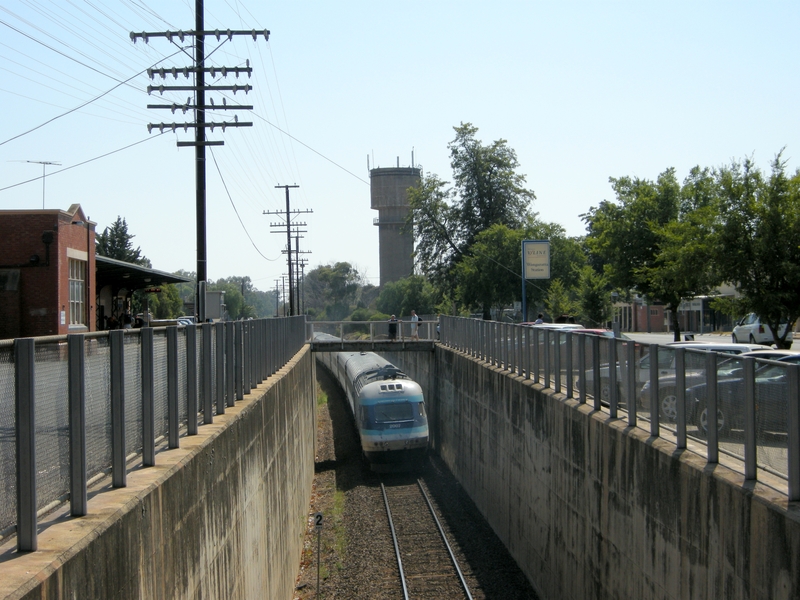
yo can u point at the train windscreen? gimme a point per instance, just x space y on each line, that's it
387 413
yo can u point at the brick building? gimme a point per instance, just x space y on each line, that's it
47 267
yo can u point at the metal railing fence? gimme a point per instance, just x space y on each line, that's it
374 330
74 408
667 390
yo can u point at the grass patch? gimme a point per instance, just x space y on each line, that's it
322 397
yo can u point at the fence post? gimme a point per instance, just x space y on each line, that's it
173 424
712 433
238 367
230 392
569 369
655 408
613 388
148 401
557 361
119 476
546 348
582 367
27 540
680 398
597 394
77 424
793 380
631 382
208 398
750 466
191 380
220 366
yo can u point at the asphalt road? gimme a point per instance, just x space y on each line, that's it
665 338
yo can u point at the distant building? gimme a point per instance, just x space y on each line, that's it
47 267
51 282
389 196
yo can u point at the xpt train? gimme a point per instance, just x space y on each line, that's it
387 407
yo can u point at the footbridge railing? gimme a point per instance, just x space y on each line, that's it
672 391
78 407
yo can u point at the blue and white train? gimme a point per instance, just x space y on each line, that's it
387 406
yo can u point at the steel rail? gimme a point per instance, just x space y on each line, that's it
394 541
446 543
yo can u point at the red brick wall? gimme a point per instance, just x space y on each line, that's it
43 289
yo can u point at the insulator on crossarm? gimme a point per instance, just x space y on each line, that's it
133 37
174 107
216 33
212 71
174 127
149 128
186 72
235 118
150 73
174 72
162 72
212 127
230 35
180 35
224 71
161 90
223 126
161 127
169 36
149 89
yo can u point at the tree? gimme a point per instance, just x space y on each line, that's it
655 238
594 300
487 191
758 241
166 304
402 296
331 289
115 242
558 301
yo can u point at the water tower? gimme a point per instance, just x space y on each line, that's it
389 196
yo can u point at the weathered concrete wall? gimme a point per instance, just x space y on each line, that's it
221 517
590 508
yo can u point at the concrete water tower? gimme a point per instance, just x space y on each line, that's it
389 196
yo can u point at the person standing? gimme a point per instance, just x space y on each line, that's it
414 325
393 328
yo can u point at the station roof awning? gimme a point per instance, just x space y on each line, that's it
120 274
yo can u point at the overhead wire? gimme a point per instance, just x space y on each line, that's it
233 204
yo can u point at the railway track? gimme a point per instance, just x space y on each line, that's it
427 565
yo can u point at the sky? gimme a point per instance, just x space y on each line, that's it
582 91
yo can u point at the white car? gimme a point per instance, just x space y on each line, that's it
751 329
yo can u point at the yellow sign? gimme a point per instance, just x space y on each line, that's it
536 259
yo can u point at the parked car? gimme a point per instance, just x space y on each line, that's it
751 329
694 369
771 395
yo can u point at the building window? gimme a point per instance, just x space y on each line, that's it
77 292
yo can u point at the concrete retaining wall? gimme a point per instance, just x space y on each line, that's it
590 508
221 517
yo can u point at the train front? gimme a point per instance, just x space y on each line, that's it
392 422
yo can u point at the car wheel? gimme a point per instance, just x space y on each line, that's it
723 423
668 404
605 391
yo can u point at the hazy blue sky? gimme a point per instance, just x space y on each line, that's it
583 91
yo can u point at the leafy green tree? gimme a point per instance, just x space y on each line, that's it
330 290
402 296
167 303
655 238
758 240
594 298
558 301
487 191
115 242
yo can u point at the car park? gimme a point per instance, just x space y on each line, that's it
771 399
694 369
751 329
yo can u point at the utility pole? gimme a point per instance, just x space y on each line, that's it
200 124
288 223
299 264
